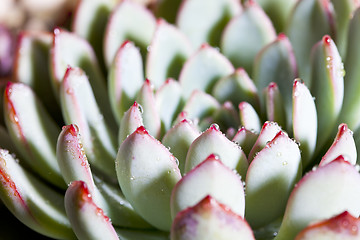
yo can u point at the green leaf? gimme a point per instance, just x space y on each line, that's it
333 228
268 131
249 118
87 219
203 69
150 115
321 194
237 87
212 141
147 173
131 120
79 107
278 11
121 26
343 144
245 35
210 177
275 111
33 131
125 78
70 50
344 10
32 55
179 138
305 123
246 139
309 21
34 203
351 107
168 51
270 178
210 220
169 102
90 21
203 20
276 63
327 86
198 106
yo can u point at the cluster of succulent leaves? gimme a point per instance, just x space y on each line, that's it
200 120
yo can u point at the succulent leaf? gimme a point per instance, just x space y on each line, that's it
210 177
203 69
203 20
246 34
342 226
278 11
344 10
179 138
226 116
198 106
34 203
75 167
270 178
90 21
339 182
343 144
268 131
276 63
32 54
79 107
69 49
33 131
169 101
131 120
121 27
210 220
304 120
274 103
150 115
308 22
147 173
350 112
237 87
327 86
212 141
168 51
249 117
126 76
246 139
87 219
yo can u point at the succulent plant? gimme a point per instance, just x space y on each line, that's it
191 119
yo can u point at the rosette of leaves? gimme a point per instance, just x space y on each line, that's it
187 120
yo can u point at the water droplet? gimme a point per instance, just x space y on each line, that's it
132 178
69 91
141 110
148 48
279 154
285 163
215 126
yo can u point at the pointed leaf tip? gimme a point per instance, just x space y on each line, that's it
141 130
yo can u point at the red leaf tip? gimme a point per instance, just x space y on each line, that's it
272 86
326 39
213 156
73 129
125 43
214 127
343 128
141 130
282 37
